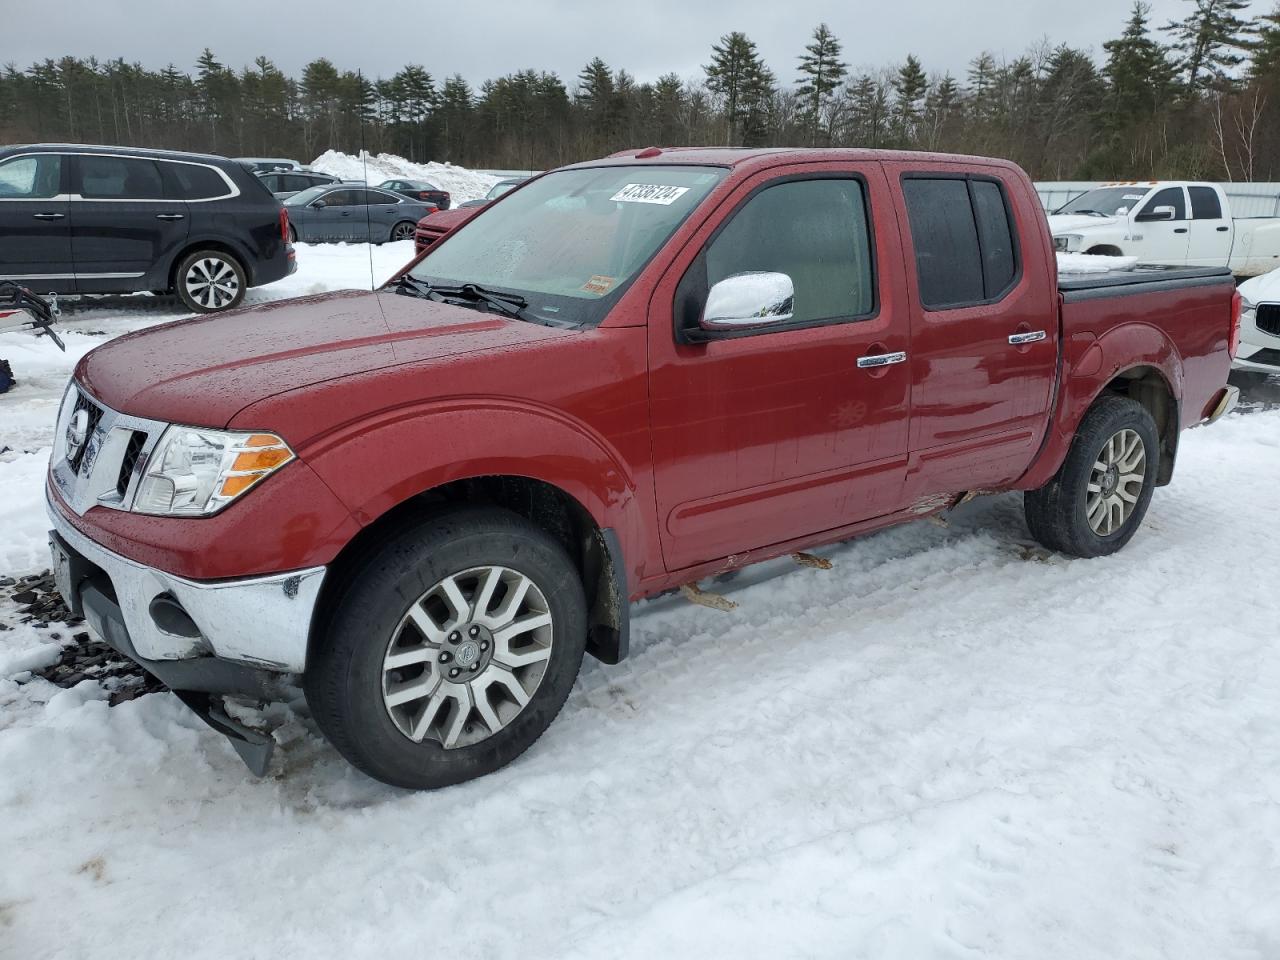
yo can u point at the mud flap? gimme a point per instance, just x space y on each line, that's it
253 746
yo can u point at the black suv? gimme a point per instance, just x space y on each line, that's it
85 219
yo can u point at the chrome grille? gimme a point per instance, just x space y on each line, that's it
101 471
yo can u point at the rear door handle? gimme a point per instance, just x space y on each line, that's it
881 359
1034 336
1179 229
49 216
169 216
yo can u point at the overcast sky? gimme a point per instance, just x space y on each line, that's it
494 37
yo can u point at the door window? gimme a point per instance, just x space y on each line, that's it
1168 197
377 196
31 178
964 240
814 231
342 198
1205 204
119 178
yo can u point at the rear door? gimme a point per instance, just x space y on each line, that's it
122 221
1210 229
984 326
1163 241
779 433
35 230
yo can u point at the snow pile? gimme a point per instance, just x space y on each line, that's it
1090 263
462 184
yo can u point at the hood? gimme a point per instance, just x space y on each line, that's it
1076 222
204 370
1263 289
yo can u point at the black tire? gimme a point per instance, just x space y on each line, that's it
201 297
1056 513
343 681
401 231
293 233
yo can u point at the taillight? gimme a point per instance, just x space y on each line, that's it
1233 340
284 224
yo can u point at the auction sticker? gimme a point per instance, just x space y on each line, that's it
598 284
649 193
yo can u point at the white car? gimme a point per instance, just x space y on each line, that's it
1172 222
1259 350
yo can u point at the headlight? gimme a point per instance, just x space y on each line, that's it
197 472
1247 307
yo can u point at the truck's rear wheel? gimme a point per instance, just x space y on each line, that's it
451 651
1095 503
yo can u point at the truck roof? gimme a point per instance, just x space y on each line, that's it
735 157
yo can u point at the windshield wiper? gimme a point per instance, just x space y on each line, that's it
510 304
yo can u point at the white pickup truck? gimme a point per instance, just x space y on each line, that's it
1170 222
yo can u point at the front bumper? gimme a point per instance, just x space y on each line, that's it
261 623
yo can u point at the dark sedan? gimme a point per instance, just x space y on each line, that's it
342 213
497 190
418 190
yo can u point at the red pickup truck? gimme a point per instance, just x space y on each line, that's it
430 500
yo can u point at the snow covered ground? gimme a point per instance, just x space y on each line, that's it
952 744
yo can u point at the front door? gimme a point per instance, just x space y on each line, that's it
122 224
984 327
35 231
780 433
1163 241
340 218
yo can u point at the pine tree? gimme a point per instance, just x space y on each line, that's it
738 75
823 71
910 86
982 73
1264 62
1138 68
1209 42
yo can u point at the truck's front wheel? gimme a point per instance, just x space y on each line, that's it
451 651
1095 503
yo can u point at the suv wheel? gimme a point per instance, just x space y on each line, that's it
452 648
1095 503
209 280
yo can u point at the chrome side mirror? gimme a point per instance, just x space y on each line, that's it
746 301
1156 213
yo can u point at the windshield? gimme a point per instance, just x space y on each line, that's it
498 189
1106 202
303 197
572 240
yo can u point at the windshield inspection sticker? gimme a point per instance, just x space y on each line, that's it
599 285
649 193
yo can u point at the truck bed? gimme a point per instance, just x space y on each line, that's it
1144 279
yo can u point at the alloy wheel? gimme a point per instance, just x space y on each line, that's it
212 282
402 231
467 656
1115 482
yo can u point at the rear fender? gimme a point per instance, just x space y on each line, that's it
1090 364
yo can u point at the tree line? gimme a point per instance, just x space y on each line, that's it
1197 97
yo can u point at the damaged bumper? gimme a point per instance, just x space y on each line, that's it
201 639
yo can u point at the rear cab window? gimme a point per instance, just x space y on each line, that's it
1205 204
964 238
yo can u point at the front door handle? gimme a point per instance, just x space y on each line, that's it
1033 336
1223 229
881 359
49 216
1179 229
169 216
